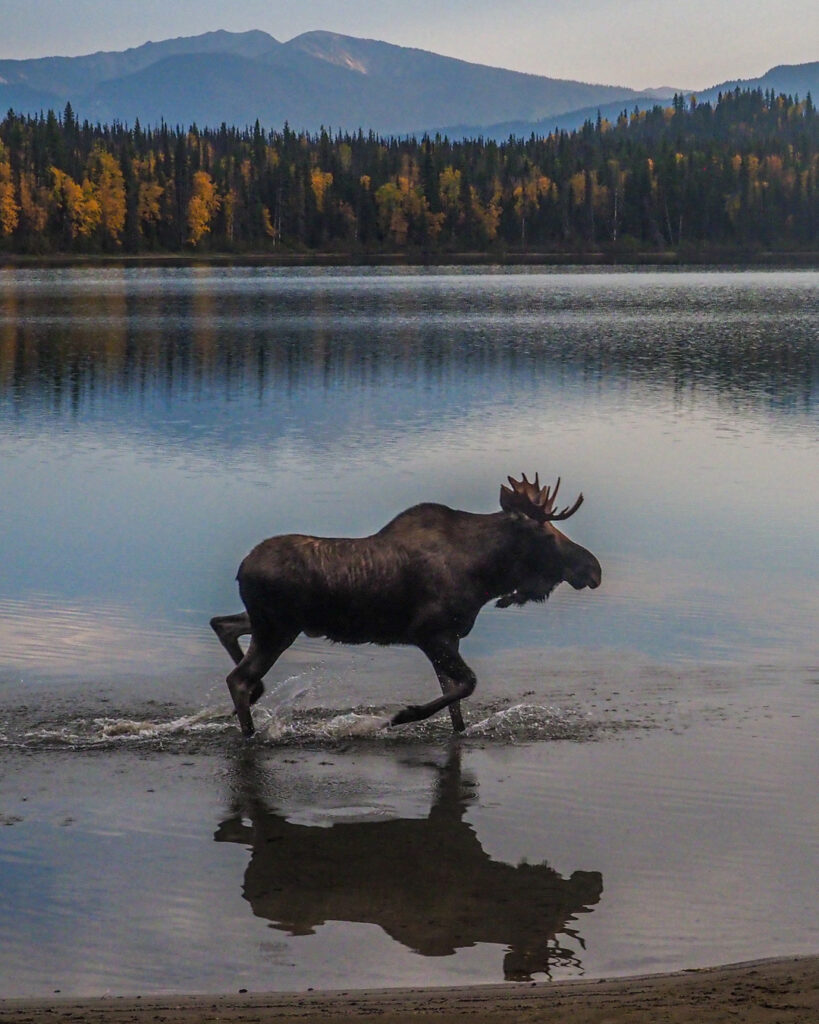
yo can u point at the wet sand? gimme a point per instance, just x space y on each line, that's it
762 992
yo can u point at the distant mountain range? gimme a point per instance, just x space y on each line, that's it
791 79
321 78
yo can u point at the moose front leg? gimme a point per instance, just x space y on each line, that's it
457 682
448 684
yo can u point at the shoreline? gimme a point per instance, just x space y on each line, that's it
672 258
778 991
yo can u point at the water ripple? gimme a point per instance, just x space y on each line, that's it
285 726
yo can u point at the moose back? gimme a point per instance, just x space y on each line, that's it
421 580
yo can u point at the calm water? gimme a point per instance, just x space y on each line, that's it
636 789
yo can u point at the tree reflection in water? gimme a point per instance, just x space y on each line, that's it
428 883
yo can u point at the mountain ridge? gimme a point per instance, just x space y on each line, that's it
323 79
367 83
791 79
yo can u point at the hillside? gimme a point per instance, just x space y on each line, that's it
731 179
315 79
787 79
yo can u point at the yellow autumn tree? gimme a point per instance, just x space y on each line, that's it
391 217
486 216
320 181
105 175
527 195
449 189
202 207
403 209
34 204
345 156
149 211
577 188
268 226
77 204
755 184
91 208
148 193
9 207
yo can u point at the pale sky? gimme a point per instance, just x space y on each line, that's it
687 44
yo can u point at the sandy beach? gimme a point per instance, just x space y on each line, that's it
762 992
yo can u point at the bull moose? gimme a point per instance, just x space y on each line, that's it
421 580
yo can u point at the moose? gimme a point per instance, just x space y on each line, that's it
421 581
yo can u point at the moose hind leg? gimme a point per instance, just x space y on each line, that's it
245 681
228 629
447 686
456 717
457 681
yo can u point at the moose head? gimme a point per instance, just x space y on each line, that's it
559 558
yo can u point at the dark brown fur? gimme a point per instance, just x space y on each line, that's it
421 580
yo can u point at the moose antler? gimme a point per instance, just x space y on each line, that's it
535 502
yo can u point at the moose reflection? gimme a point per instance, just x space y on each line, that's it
428 883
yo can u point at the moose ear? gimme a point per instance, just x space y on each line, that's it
512 500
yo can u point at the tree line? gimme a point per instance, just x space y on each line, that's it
741 174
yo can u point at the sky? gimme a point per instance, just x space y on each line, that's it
686 44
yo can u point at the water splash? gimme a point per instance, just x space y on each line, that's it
357 725
527 722
206 720
281 720
80 733
274 728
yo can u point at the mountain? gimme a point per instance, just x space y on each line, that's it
424 90
181 90
322 78
791 79
319 78
67 78
569 121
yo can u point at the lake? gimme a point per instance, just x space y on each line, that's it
636 788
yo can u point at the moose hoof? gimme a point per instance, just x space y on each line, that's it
409 714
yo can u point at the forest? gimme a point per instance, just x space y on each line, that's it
739 176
